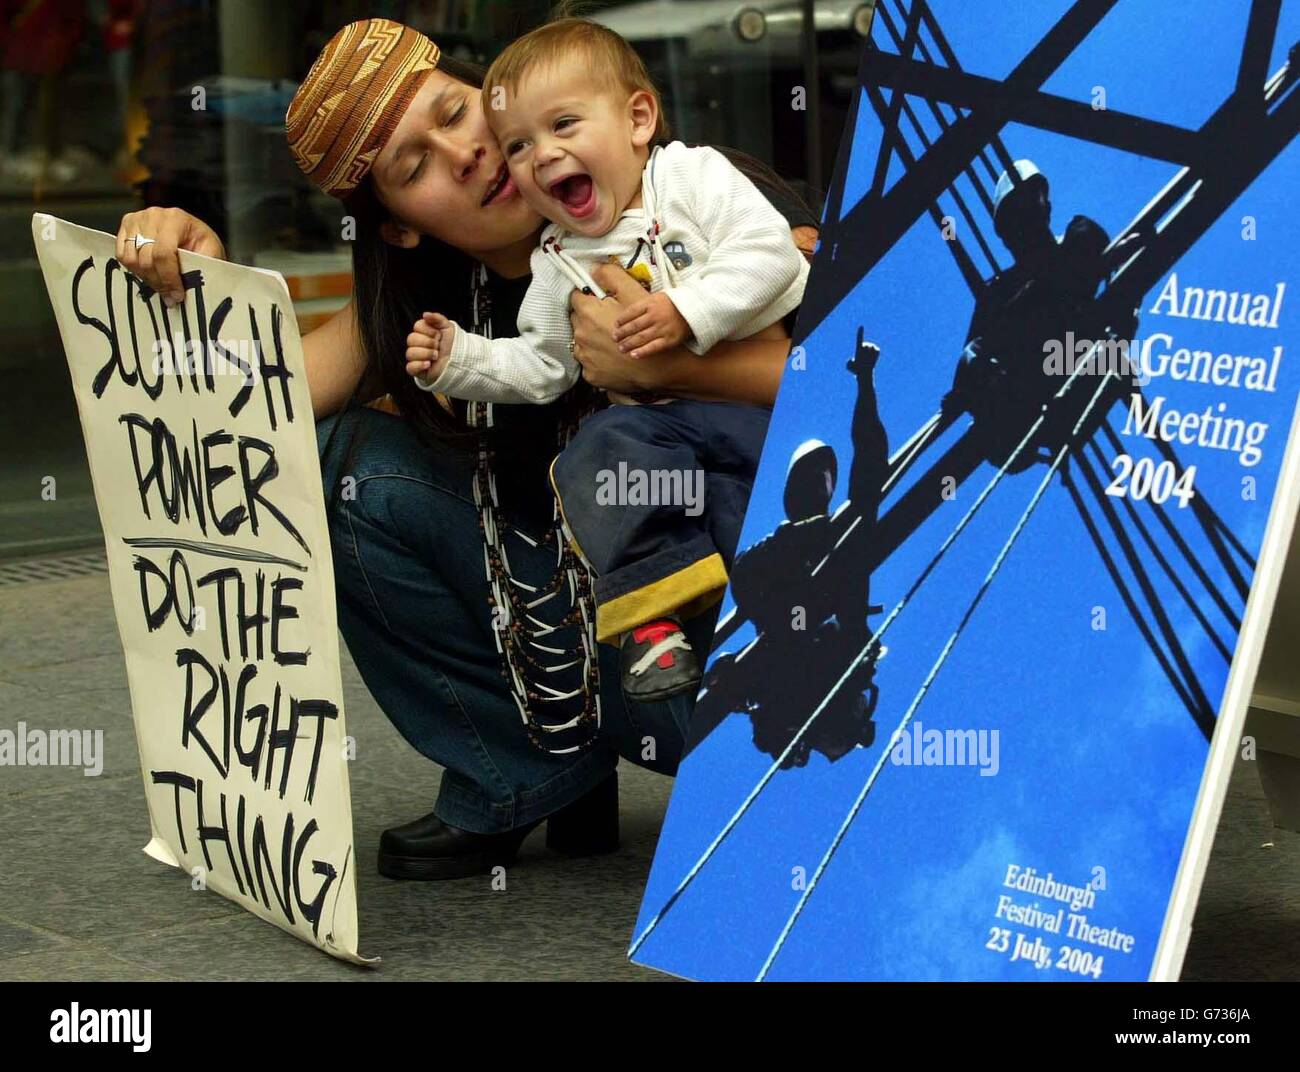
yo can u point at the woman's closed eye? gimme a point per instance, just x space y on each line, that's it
451 121
415 172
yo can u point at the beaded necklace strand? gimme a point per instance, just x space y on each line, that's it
558 720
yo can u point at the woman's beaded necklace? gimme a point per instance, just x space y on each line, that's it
558 719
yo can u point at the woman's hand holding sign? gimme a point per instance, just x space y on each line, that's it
333 352
147 242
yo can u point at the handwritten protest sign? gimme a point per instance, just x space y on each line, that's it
202 449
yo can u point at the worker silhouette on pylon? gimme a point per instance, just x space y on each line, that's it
810 626
1047 294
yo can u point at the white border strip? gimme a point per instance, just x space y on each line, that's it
1177 929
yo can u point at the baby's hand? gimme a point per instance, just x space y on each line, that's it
428 346
650 325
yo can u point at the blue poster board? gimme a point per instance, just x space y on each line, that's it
971 716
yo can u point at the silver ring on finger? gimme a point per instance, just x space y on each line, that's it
140 241
572 345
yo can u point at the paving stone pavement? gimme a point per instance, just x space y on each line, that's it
78 899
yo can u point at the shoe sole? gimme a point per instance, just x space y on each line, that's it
424 869
663 694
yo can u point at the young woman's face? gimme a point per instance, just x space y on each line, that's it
441 173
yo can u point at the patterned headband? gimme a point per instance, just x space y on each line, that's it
353 98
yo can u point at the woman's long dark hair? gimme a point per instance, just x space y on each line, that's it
392 287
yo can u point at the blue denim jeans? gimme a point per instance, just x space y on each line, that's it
652 552
413 608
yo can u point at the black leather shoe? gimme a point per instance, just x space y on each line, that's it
427 849
657 662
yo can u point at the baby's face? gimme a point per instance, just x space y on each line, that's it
575 151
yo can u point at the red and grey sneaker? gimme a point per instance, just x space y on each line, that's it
658 662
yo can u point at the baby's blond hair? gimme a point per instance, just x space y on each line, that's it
610 60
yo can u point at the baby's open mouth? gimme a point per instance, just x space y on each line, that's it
577 193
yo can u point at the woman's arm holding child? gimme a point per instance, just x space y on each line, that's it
751 265
748 370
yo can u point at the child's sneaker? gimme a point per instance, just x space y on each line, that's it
658 662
